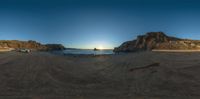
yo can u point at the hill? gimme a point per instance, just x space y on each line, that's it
16 44
158 41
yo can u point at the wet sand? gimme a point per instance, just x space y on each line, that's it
144 75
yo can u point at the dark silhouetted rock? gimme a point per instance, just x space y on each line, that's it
55 47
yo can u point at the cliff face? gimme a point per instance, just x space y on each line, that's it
29 45
157 40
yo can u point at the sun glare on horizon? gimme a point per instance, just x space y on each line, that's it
100 47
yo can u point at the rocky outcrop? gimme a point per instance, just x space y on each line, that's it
15 44
55 47
157 40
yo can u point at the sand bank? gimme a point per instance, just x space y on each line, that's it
6 49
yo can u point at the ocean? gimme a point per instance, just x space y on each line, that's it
83 52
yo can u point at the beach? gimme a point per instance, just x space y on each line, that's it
143 75
175 51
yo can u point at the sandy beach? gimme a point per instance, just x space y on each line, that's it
144 75
175 51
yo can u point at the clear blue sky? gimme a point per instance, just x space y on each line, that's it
94 23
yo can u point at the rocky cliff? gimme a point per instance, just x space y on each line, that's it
157 40
29 45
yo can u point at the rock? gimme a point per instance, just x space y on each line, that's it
55 47
157 40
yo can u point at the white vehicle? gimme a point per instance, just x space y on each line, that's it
25 50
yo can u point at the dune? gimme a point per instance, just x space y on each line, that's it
144 75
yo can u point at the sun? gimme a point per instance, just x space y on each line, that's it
100 47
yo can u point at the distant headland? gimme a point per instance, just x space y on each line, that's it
6 45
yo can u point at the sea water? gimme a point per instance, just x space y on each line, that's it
84 52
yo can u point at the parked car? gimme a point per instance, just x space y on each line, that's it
25 50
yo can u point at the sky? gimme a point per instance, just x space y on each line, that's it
96 23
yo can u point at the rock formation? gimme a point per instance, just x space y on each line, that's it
55 47
159 41
29 45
